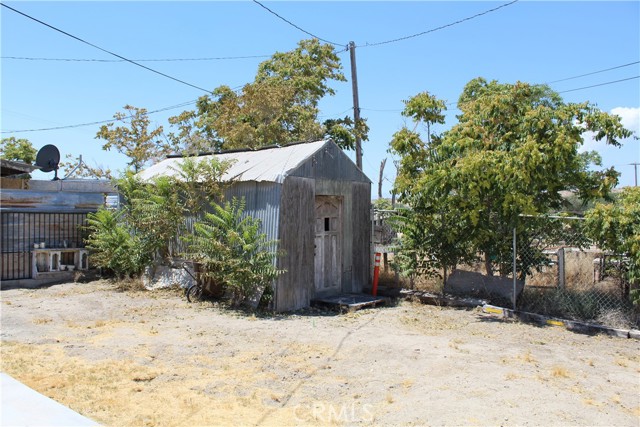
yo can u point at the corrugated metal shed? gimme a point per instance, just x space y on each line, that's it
288 189
265 165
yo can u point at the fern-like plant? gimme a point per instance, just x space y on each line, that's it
233 251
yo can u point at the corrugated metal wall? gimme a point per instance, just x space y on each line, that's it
262 202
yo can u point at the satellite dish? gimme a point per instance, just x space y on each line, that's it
48 159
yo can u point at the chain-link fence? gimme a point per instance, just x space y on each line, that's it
567 276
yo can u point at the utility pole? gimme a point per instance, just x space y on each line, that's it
356 102
635 169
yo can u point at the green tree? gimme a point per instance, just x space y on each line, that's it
427 245
514 148
616 228
344 131
188 139
280 106
134 139
17 149
80 169
152 216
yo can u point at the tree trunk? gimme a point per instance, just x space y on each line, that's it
488 265
444 282
381 177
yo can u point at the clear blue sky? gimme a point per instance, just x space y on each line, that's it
531 41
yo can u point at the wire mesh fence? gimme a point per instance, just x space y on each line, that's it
566 275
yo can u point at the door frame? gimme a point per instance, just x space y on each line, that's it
323 223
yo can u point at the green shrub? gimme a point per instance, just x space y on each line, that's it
151 216
616 228
114 246
233 251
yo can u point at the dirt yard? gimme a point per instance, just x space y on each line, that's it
151 358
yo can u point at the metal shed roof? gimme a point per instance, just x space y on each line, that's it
10 168
270 164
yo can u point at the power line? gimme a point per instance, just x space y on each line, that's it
335 114
218 58
105 50
381 111
184 104
594 72
194 101
171 107
294 25
455 104
441 27
601 84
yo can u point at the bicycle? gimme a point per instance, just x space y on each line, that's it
193 292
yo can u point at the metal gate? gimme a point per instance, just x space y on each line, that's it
22 230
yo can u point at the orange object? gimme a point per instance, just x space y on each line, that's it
376 274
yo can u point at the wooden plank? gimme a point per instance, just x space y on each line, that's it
296 235
349 302
361 248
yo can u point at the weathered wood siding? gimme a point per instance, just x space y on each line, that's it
330 163
356 229
294 288
361 208
336 175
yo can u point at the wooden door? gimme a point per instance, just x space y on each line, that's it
328 242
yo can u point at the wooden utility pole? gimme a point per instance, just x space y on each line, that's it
384 162
356 102
635 169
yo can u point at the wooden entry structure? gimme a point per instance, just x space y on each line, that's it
328 246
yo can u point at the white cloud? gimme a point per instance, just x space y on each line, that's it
630 119
621 158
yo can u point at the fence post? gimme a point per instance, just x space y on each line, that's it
515 275
561 275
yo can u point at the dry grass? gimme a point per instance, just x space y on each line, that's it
455 344
140 359
130 285
592 402
621 362
408 383
124 392
560 372
510 376
528 357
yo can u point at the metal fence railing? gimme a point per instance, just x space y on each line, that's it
567 276
21 231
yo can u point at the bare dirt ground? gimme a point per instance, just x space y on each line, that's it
151 358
